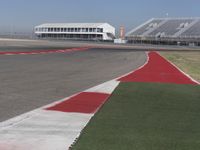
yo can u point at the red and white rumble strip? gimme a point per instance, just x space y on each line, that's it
34 52
58 125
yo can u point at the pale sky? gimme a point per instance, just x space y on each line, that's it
23 15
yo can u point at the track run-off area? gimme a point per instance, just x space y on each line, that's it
125 121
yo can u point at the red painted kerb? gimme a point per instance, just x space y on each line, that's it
85 102
158 70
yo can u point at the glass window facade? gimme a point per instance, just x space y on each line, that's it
69 30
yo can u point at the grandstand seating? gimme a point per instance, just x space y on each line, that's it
147 26
168 27
194 31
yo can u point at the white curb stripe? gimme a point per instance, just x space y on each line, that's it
107 87
45 130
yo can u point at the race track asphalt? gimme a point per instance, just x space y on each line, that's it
31 81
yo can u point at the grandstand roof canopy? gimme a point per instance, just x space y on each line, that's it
71 25
168 27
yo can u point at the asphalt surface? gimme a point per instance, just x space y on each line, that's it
26 45
31 81
23 45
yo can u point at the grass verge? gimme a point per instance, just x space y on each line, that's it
146 116
189 62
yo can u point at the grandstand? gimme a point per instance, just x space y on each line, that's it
76 31
172 31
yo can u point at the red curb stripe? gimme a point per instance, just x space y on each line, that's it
44 51
85 102
158 70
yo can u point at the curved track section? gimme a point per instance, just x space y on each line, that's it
32 81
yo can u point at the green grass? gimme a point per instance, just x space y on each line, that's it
146 116
189 62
